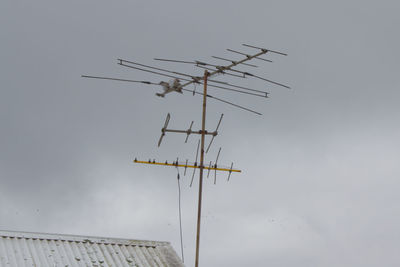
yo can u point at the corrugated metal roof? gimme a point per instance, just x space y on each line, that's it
54 250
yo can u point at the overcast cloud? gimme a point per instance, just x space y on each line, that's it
321 168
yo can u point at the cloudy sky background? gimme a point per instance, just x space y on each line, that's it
321 168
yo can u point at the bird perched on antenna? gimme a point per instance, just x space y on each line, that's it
171 86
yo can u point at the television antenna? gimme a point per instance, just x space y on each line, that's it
179 83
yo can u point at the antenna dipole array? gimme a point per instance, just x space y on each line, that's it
179 83
188 165
188 131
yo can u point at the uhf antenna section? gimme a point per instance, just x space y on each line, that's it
190 165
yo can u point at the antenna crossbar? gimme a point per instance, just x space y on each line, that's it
233 61
222 72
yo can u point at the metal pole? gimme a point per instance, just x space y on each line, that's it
203 128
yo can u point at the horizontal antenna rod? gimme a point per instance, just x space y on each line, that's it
224 101
258 77
176 61
117 79
150 71
235 105
240 53
266 50
187 62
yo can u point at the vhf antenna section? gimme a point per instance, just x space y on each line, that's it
189 131
191 78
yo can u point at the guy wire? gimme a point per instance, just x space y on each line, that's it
180 214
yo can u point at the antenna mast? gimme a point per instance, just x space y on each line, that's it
203 128
175 85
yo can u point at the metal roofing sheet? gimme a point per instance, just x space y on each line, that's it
54 250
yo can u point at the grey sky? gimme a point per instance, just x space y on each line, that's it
320 168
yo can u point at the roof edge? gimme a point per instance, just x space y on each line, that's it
81 238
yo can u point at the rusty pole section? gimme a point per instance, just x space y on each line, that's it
203 131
